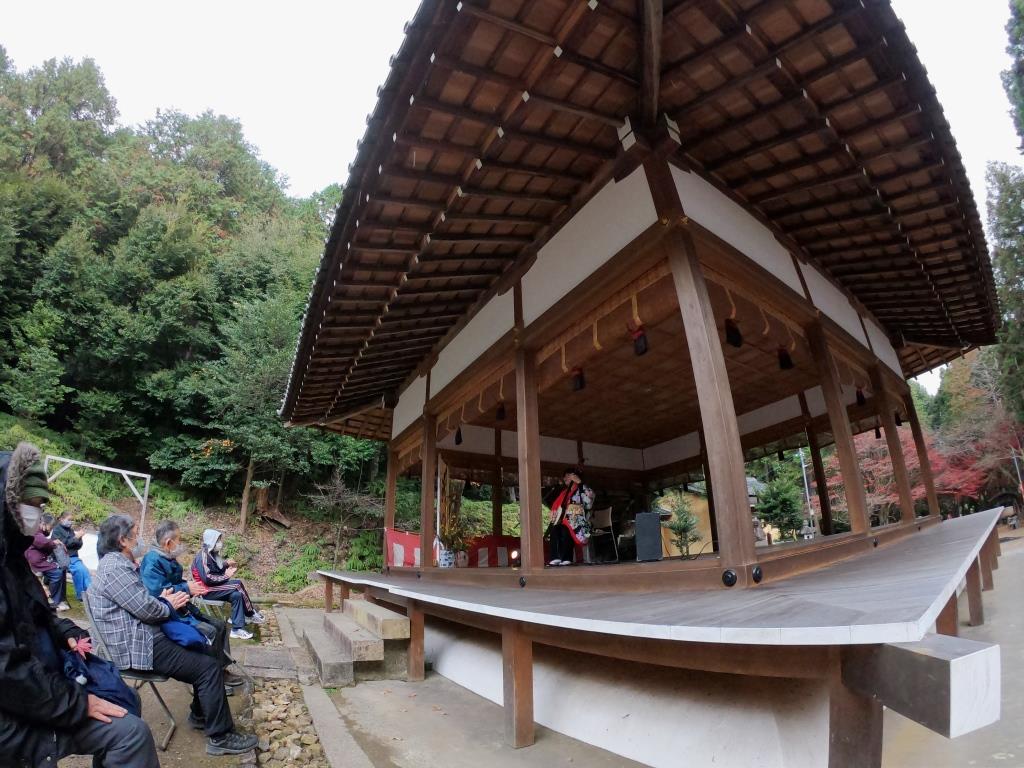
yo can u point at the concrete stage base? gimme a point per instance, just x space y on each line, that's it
654 715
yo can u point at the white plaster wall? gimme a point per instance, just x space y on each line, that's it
833 303
884 350
657 716
604 226
474 440
816 401
714 211
769 415
493 320
410 406
676 449
601 455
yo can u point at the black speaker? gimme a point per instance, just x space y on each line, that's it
648 536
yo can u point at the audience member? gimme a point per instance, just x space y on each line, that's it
66 533
161 570
44 716
216 572
128 619
41 556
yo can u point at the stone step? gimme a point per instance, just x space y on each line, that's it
360 643
381 621
333 663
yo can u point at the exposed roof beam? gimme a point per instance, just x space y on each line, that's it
569 108
650 60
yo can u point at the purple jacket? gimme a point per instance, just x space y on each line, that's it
38 555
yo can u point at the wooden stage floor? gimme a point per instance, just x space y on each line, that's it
892 594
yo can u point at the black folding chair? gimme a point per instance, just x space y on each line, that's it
139 678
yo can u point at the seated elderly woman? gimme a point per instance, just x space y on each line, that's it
128 619
217 572
44 716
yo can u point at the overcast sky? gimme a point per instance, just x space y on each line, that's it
302 76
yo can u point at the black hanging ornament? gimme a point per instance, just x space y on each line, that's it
733 337
785 361
878 432
899 421
861 400
501 412
639 340
782 456
458 435
578 382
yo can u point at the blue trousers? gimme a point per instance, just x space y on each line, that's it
80 576
57 582
241 606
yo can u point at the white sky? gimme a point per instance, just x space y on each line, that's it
302 76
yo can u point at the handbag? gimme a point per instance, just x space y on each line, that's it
61 556
101 678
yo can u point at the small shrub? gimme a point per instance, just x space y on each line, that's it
365 553
293 574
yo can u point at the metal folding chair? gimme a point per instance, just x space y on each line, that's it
139 678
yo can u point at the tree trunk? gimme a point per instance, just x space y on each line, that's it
245 492
280 491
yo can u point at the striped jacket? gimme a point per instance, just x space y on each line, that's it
126 615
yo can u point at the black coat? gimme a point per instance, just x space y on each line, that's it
66 536
39 708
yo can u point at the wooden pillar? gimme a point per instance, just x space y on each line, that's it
428 490
986 569
948 621
854 729
415 653
927 478
328 595
726 470
995 549
390 496
712 522
885 406
517 680
856 501
820 481
528 428
496 487
974 604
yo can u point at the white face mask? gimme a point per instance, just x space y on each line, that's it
219 546
28 519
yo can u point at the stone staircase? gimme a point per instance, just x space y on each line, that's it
365 641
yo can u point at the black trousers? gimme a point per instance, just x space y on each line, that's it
562 545
206 677
217 632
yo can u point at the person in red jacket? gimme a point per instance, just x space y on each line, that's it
40 556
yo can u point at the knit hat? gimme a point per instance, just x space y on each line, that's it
36 486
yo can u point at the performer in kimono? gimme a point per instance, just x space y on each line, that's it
568 523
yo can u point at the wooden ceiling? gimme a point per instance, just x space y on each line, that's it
498 120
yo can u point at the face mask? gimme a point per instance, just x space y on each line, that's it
175 552
28 519
219 547
138 550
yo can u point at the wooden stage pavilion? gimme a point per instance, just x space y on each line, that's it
762 194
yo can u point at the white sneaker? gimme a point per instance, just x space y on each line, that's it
63 607
555 562
241 634
257 618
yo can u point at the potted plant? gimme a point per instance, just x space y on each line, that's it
452 536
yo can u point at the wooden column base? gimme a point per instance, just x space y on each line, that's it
517 677
328 595
974 603
986 569
416 666
854 729
948 621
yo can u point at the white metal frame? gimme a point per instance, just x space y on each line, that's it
143 498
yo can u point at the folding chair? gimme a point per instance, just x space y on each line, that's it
601 527
217 609
138 677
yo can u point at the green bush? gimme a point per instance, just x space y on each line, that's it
293 574
365 552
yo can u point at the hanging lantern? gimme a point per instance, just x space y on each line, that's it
861 400
639 340
785 360
733 337
578 382
501 412
458 435
899 421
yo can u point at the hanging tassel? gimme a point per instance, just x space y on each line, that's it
782 456
500 415
578 382
861 400
733 337
458 435
878 432
785 360
639 341
899 421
